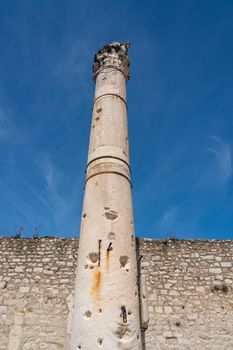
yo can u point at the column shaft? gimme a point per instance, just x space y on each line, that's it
106 304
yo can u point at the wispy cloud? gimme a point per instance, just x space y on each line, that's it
222 154
52 176
62 203
73 63
169 218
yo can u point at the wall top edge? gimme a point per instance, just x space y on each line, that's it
153 240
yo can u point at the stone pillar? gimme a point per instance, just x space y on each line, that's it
106 303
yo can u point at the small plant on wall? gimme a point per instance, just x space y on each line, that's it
19 231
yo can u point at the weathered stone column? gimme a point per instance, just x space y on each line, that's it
106 303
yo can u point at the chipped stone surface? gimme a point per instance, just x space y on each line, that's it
107 233
190 294
200 316
112 55
34 305
111 215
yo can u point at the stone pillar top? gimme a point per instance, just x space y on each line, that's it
114 55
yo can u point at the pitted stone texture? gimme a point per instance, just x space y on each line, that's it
109 281
37 279
190 307
190 294
113 55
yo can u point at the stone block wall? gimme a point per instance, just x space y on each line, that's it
36 288
190 293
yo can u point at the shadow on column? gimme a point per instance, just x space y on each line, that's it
139 257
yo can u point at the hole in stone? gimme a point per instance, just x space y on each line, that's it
124 314
111 236
97 118
100 310
79 347
220 288
99 254
99 110
84 215
106 208
93 126
129 312
85 267
121 330
91 267
110 247
124 260
100 341
138 337
127 270
88 314
111 215
93 257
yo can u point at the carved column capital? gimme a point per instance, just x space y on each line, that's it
113 55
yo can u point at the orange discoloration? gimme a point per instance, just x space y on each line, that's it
109 249
107 259
97 275
96 285
99 254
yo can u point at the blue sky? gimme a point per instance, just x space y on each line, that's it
180 112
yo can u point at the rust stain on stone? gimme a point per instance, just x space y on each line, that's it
96 285
108 255
99 253
107 259
97 275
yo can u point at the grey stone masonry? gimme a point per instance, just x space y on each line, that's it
190 293
36 290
